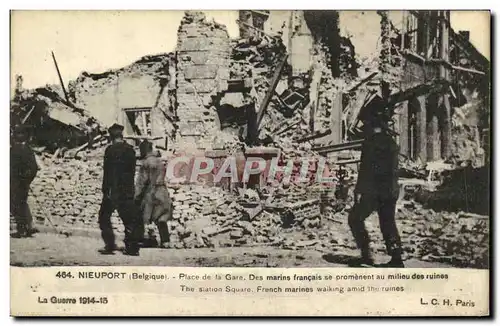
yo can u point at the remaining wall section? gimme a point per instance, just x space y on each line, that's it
203 52
143 84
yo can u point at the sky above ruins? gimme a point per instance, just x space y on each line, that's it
98 41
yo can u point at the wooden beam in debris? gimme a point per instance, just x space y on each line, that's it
143 137
73 152
452 92
287 127
316 135
56 155
60 78
270 91
436 86
345 162
336 117
28 115
473 71
413 55
362 81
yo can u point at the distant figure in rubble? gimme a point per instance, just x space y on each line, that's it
151 194
118 193
23 169
377 189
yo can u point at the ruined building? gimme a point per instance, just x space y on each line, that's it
424 74
436 63
292 85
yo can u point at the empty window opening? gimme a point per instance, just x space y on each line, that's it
138 121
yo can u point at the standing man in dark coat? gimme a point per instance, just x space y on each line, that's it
23 169
118 193
377 189
151 192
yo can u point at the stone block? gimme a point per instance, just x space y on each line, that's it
223 72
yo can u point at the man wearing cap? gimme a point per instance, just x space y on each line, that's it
23 169
118 193
377 189
151 193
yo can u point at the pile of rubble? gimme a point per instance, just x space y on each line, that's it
292 217
208 70
253 57
460 239
68 191
466 140
257 59
52 121
210 217
465 188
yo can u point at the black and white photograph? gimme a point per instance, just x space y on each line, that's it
250 138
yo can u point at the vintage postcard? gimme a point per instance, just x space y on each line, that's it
250 163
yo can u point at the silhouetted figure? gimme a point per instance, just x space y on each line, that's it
23 169
377 189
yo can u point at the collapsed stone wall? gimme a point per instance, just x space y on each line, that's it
52 122
68 191
203 51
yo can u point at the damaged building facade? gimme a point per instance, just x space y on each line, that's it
189 96
424 65
436 62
